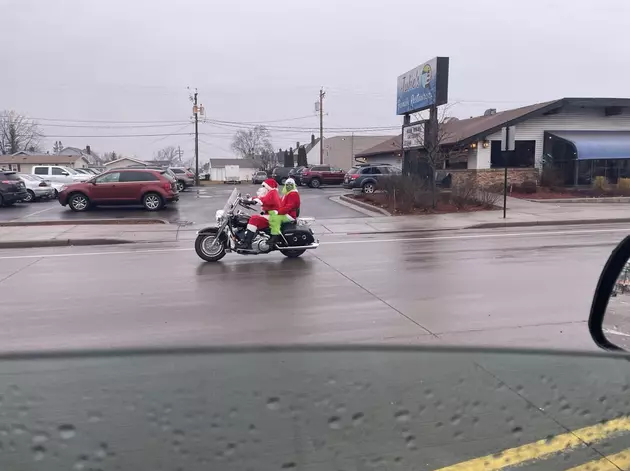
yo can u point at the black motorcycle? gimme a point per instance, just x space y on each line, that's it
213 242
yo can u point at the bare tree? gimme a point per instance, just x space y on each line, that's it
111 156
18 133
168 154
252 142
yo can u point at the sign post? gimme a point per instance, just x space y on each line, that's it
421 88
508 143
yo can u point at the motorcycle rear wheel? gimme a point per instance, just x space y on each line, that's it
292 253
206 250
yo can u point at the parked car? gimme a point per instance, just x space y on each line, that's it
36 188
57 186
185 177
280 174
83 171
151 188
12 188
295 173
259 177
319 175
57 173
367 176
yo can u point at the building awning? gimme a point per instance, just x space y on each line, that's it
592 145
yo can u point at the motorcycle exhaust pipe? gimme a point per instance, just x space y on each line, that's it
314 245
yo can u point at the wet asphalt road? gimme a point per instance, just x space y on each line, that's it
498 287
195 206
318 411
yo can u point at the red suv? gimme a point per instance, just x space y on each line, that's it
317 175
150 188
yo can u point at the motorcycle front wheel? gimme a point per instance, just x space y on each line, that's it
209 247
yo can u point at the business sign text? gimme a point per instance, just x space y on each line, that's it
424 86
413 136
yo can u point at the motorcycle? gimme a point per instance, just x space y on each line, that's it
213 242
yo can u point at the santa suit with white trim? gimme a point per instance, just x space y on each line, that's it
268 197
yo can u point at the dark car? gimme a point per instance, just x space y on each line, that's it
150 188
259 177
295 173
319 175
367 176
12 188
280 174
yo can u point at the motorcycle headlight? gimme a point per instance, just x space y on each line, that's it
218 215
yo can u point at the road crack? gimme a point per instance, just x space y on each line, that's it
359 285
19 270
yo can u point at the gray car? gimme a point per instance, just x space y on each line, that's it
184 177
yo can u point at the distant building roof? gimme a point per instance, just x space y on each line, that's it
139 162
43 159
245 163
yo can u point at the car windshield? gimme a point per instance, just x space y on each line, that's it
71 171
325 408
9 175
177 170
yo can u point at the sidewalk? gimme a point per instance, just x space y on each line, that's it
520 213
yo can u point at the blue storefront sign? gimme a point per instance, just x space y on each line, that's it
423 86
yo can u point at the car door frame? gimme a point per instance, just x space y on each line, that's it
103 192
132 191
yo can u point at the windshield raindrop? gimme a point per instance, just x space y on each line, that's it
39 453
273 403
67 431
334 422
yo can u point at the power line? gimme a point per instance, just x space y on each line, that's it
298 128
98 126
61 120
121 135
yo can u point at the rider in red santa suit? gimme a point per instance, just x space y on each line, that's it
269 198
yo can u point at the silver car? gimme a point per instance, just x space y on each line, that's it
183 176
37 188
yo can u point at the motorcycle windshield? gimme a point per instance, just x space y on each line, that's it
231 200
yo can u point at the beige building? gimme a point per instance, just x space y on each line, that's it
339 151
24 162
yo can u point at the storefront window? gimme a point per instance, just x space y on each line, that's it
523 156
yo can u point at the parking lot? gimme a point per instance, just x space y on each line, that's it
196 205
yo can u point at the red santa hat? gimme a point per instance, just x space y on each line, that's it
270 184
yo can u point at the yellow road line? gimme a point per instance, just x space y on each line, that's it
614 462
543 448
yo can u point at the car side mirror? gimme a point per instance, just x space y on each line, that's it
65 174
609 320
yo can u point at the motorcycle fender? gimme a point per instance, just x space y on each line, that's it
208 230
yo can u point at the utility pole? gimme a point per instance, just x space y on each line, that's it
196 111
179 154
322 94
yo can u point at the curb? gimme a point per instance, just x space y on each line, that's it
28 244
365 206
86 222
570 222
610 200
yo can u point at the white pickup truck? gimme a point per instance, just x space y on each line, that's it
59 174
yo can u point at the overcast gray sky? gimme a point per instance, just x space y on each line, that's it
257 61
